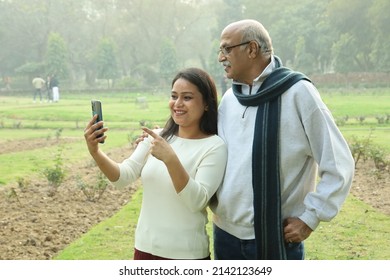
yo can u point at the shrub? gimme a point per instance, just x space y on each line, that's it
379 157
12 194
360 148
22 183
94 191
55 175
363 149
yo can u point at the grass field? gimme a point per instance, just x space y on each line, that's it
20 119
351 233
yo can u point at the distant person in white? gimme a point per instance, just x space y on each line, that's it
54 88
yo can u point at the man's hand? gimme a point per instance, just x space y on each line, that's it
295 230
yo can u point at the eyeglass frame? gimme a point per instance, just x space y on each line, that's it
227 49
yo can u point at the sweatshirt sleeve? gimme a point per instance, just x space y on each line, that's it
208 177
130 168
335 168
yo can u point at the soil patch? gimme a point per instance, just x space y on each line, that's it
372 186
35 225
11 146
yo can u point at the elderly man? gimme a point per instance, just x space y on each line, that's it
281 138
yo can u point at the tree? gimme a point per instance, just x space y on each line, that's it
351 20
168 60
308 35
303 60
380 20
344 62
106 61
57 56
299 31
21 40
215 69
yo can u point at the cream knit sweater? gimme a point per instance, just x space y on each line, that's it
172 225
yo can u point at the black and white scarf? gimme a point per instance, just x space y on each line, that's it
268 222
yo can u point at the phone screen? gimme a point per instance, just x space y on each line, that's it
97 110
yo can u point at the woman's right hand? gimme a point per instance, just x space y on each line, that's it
91 134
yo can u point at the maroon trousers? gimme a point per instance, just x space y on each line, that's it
139 255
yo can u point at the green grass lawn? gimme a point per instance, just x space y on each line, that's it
368 103
22 163
20 119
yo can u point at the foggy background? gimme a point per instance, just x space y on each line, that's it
142 43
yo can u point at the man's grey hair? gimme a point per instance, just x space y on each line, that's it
257 32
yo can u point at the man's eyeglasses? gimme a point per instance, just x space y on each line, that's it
227 49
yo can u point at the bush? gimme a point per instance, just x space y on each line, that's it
55 175
94 191
364 149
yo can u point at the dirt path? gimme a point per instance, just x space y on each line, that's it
11 146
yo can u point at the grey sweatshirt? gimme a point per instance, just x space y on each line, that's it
316 164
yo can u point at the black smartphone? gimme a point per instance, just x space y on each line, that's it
97 110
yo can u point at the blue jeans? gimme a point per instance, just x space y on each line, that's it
229 247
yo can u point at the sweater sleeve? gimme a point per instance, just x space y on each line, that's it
130 168
208 177
335 168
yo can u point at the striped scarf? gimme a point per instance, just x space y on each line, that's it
268 222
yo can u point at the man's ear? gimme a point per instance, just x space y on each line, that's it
254 49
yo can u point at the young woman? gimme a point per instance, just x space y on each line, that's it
181 167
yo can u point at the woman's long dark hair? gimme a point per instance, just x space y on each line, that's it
206 86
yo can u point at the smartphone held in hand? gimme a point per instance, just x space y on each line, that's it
97 110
